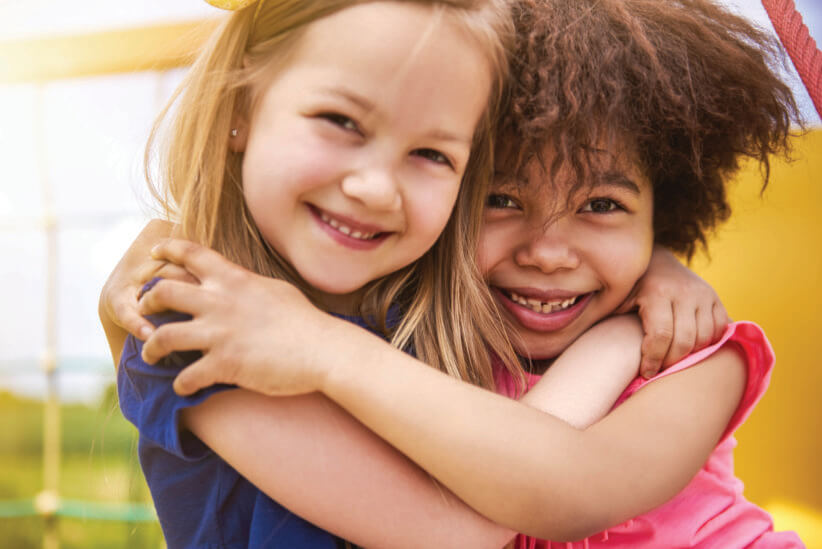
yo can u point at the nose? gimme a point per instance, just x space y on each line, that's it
376 188
549 248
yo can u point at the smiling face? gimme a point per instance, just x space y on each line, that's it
556 273
356 149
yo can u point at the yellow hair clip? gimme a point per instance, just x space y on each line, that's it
234 5
230 5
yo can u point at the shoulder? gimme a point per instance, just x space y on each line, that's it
735 370
147 398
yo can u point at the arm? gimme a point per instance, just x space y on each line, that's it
584 382
466 437
313 457
306 452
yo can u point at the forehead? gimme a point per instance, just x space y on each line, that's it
405 61
564 178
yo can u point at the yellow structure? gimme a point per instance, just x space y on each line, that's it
766 264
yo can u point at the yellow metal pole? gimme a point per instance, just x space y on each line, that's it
158 47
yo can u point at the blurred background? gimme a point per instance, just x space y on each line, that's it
80 84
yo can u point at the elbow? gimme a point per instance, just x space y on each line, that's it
570 519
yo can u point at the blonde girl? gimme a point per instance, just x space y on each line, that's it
323 143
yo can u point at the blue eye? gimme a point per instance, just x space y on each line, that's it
340 120
601 205
434 156
500 202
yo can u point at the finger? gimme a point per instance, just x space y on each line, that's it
658 324
721 320
199 375
173 295
196 259
684 335
147 271
126 314
704 328
170 271
186 335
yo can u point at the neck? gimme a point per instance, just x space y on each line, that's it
341 304
536 366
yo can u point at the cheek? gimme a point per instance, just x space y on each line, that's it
625 259
491 248
430 207
292 157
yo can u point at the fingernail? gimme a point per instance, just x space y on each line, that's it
145 331
155 251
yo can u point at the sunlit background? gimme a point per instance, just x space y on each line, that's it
80 84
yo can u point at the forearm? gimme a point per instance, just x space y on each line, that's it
584 382
520 466
498 455
314 458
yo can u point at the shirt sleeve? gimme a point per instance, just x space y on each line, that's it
759 361
148 400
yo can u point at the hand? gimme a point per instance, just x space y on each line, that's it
680 312
118 298
255 332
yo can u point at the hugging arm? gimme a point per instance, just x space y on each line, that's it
312 456
515 464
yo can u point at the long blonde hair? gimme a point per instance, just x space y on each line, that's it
447 313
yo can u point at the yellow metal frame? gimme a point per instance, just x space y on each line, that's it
158 47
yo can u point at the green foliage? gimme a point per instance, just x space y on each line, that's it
98 464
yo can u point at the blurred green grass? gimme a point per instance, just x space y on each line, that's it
98 464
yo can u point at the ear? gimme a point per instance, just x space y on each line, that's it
238 137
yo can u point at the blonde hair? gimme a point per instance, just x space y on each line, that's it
447 314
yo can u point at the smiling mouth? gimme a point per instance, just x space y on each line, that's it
543 307
346 228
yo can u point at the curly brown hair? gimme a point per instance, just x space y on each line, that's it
686 85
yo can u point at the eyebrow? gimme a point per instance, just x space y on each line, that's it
618 179
350 96
366 105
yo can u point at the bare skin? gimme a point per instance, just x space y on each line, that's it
367 453
464 436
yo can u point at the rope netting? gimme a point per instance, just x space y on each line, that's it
801 47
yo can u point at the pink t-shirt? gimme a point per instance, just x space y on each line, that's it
710 512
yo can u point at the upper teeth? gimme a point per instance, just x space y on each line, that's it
345 229
543 306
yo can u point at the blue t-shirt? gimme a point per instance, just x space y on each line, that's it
201 500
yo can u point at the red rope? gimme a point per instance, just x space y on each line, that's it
796 39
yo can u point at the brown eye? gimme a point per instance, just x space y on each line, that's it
341 120
500 201
601 205
434 156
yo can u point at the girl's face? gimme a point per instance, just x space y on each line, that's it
356 149
555 274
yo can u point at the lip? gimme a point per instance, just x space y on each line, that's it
344 239
543 322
